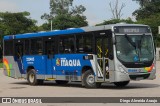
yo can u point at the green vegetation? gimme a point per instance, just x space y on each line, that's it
64 15
149 14
16 23
1 65
114 21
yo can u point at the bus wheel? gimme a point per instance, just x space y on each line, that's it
121 84
31 77
89 80
61 82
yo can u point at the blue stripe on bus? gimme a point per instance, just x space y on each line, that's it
41 34
39 62
8 37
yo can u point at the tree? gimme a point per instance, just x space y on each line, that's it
148 10
16 23
116 11
143 3
115 21
153 21
64 15
149 14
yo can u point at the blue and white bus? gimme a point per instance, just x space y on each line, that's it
114 53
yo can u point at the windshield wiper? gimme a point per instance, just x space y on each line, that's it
134 45
130 41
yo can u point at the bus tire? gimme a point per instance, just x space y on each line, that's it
121 84
89 80
31 77
61 82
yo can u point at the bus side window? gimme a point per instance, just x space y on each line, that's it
110 46
36 46
66 45
84 43
19 50
27 47
61 46
8 48
50 48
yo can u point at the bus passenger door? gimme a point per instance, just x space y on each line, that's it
18 56
49 52
101 43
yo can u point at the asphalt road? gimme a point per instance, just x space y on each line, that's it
10 87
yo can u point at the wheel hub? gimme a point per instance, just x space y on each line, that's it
90 79
31 78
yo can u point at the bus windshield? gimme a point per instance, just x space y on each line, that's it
134 48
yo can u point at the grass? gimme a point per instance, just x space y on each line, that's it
1 65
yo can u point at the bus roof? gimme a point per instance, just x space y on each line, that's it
67 31
40 34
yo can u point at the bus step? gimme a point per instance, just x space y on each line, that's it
50 79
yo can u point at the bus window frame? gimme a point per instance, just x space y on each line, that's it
36 38
66 37
49 39
5 48
28 45
109 35
92 43
18 41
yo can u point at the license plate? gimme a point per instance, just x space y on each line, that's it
139 78
135 70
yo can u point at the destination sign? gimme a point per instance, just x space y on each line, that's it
131 29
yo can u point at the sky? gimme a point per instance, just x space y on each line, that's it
96 10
